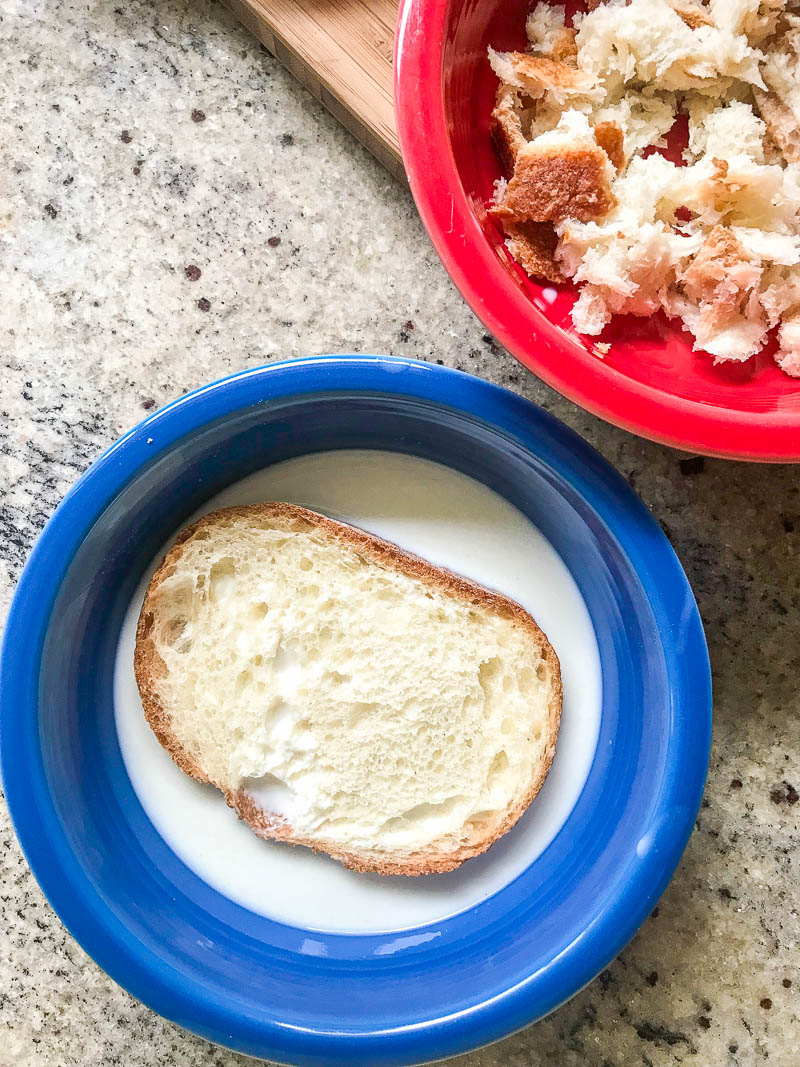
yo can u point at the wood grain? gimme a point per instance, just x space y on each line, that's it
341 50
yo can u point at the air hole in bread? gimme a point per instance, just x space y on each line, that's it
271 794
243 680
360 711
286 666
259 610
221 579
488 675
498 768
481 818
424 812
174 630
541 672
306 564
337 677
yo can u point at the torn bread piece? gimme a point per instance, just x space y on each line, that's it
344 694
539 75
533 245
721 284
788 356
562 174
548 34
724 131
779 102
781 300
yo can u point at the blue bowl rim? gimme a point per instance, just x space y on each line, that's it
587 472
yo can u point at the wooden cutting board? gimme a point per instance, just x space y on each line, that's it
341 50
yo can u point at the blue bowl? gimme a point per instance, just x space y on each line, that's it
262 987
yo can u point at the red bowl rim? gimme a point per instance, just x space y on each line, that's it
506 311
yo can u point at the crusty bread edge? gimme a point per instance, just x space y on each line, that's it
148 667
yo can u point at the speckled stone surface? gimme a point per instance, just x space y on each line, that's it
173 207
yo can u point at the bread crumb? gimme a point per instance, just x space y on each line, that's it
715 241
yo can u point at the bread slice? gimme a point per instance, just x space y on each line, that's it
344 694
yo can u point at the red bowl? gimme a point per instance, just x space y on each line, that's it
650 382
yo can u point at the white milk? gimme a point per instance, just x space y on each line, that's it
456 522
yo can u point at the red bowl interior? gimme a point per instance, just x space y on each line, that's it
651 381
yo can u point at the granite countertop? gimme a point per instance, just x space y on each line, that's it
175 207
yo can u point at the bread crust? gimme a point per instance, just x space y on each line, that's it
506 127
538 74
149 667
532 244
611 138
555 184
691 14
